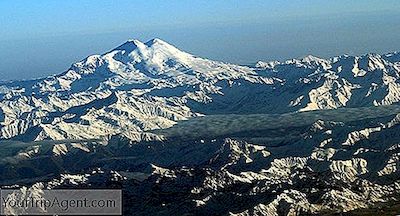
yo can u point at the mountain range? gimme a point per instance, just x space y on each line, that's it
188 135
144 86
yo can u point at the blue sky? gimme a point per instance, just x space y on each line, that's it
43 37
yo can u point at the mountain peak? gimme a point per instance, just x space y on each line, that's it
161 48
153 45
312 58
130 45
156 41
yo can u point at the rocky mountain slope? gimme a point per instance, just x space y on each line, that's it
183 135
312 168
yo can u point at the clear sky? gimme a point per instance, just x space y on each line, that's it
42 37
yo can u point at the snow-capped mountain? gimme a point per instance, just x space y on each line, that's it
183 135
143 86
